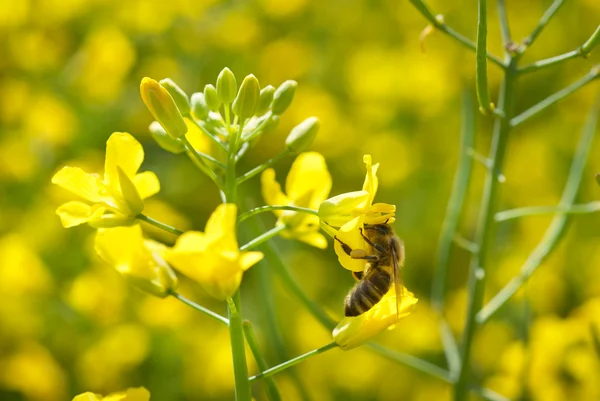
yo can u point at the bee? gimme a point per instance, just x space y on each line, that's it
382 268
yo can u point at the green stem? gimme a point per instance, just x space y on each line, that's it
292 362
584 208
272 391
264 237
200 308
484 237
158 224
592 42
238 350
450 348
457 196
262 167
549 62
550 100
200 162
550 12
481 82
270 208
441 26
556 228
504 29
413 362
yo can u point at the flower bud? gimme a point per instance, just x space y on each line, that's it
266 97
199 106
271 124
302 135
163 107
211 98
247 98
164 140
178 95
282 98
226 86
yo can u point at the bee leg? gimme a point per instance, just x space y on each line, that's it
355 253
368 241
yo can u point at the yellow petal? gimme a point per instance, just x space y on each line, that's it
349 234
197 138
249 259
147 184
125 151
371 182
308 182
220 228
74 213
354 331
80 183
340 209
315 239
120 245
133 203
381 213
88 397
132 394
190 241
110 220
271 190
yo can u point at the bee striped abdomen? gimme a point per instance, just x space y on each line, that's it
367 292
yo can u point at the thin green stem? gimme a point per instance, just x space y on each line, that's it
450 348
208 158
550 100
270 208
412 361
592 42
550 12
292 362
238 350
249 136
481 81
201 308
557 226
200 162
210 135
264 237
584 208
484 236
438 23
271 387
504 28
262 167
158 224
455 203
549 62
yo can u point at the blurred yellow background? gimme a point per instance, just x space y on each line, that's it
69 76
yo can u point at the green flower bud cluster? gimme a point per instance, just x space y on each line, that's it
231 115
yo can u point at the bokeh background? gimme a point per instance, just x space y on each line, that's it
69 76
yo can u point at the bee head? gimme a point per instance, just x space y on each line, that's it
383 229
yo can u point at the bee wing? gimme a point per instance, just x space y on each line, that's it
398 262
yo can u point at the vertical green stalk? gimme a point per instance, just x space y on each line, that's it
481 82
238 350
485 227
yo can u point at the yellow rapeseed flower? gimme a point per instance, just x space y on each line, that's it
344 215
307 185
353 331
131 394
140 261
212 258
114 200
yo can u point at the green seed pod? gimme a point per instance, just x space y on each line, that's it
212 98
180 97
199 107
302 135
226 86
264 102
247 97
164 140
163 107
282 98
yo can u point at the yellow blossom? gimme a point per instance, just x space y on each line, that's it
343 216
114 200
212 258
353 331
307 185
131 394
137 259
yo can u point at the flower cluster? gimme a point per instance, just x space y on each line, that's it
235 119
